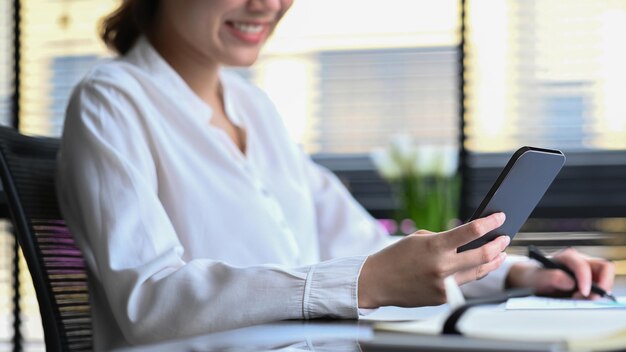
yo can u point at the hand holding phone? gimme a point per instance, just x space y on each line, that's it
517 191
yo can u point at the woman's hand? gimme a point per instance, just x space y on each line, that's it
410 272
550 282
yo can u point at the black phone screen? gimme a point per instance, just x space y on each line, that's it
517 191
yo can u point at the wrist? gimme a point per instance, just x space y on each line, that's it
367 298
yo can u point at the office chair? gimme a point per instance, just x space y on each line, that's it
56 265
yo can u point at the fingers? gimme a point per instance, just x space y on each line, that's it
581 268
579 295
586 270
472 230
480 271
603 273
481 255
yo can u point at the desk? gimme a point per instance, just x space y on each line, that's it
333 335
344 336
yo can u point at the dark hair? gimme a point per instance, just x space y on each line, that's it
121 28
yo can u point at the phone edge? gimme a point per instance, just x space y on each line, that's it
505 171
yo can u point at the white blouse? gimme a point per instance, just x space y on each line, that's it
183 234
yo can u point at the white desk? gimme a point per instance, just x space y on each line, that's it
333 335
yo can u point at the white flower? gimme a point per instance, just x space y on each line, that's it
448 161
403 159
386 164
402 148
426 160
433 160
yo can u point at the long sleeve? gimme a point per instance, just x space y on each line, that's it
109 195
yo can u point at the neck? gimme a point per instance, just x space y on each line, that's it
200 73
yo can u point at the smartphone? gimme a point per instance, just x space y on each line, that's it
517 191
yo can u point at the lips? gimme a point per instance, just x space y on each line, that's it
248 32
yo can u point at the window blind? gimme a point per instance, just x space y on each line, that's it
353 101
6 61
59 44
367 96
348 85
548 73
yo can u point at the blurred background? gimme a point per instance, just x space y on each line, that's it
483 76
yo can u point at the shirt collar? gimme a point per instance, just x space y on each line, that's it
144 56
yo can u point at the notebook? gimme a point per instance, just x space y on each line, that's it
580 329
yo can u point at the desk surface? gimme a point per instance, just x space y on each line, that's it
334 336
349 335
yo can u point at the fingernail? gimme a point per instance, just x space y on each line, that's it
501 217
505 241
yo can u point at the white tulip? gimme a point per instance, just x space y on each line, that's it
448 161
426 160
402 148
385 163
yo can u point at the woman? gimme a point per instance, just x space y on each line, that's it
196 212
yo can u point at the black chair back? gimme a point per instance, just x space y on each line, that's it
56 265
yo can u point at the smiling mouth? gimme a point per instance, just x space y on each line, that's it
248 32
249 28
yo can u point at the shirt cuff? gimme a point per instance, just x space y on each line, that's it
331 289
494 281
366 311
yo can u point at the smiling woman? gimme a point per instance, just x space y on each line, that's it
197 38
197 212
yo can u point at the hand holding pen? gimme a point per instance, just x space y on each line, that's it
555 263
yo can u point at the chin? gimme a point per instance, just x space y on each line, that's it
243 63
242 59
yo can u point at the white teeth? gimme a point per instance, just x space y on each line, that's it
248 28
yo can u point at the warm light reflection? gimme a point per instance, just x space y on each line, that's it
612 107
538 78
487 80
51 30
311 26
287 81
